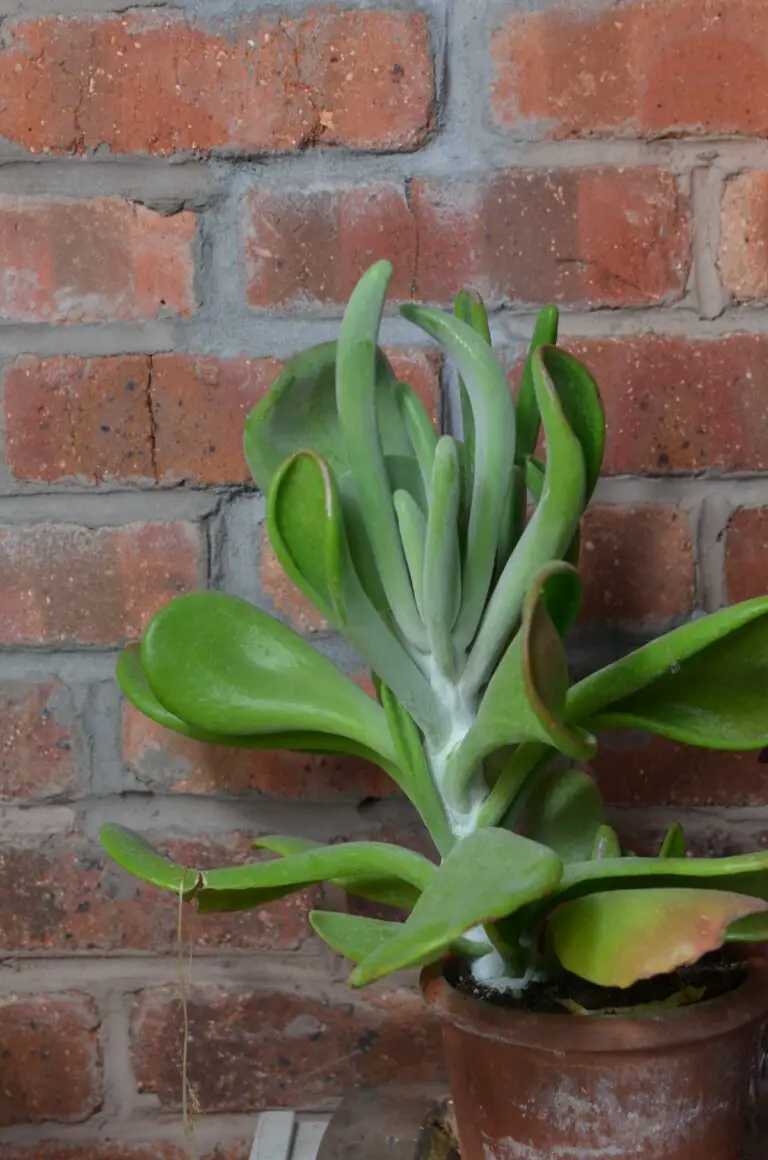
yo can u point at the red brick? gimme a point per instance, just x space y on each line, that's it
87 261
159 84
68 896
313 246
257 1048
165 760
743 253
708 834
746 555
636 769
63 583
117 1150
637 565
591 236
82 419
644 68
675 405
51 1059
41 748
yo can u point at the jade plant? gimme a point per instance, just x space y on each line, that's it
450 565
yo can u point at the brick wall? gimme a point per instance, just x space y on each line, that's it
187 195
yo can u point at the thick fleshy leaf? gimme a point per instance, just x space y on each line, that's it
582 407
613 940
564 811
525 700
136 855
420 432
606 845
412 525
136 687
494 433
356 937
470 309
546 537
356 388
442 579
752 929
673 845
512 520
221 664
703 684
485 876
528 415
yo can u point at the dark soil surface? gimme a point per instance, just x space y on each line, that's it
712 976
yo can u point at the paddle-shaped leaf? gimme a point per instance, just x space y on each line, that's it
582 407
356 385
225 666
528 415
703 684
486 876
136 855
494 434
564 811
615 939
356 937
547 536
526 698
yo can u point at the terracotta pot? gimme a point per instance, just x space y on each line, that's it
557 1087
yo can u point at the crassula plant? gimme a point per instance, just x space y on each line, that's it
450 565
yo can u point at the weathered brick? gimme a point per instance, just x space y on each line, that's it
165 760
743 253
88 261
617 237
677 405
63 583
84 419
159 84
635 769
41 746
746 554
256 1048
313 246
637 565
708 834
51 1059
170 418
68 896
118 1150
642 68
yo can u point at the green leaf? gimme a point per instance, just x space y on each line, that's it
547 536
135 854
613 940
526 698
356 937
442 580
134 684
703 684
512 520
412 526
485 876
223 665
607 844
673 845
564 811
582 406
356 387
494 433
470 309
420 432
752 929
528 415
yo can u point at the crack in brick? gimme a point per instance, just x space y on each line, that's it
150 404
413 286
314 133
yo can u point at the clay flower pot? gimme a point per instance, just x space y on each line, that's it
557 1087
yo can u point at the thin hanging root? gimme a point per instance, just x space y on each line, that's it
190 1106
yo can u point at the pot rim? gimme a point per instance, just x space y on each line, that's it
599 1033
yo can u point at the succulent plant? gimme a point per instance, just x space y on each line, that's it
450 565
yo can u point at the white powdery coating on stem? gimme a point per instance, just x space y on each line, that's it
491 971
462 717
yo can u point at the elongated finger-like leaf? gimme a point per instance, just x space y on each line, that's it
564 811
528 415
525 700
420 432
356 937
615 939
134 684
412 525
673 845
494 428
703 684
582 406
606 844
136 855
442 579
223 665
470 309
356 405
546 537
485 876
512 520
